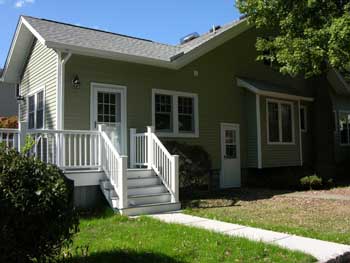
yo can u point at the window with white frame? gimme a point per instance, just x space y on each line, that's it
36 110
175 113
344 127
303 118
280 123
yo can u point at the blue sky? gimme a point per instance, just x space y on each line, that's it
164 21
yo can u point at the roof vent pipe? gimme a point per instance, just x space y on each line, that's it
189 38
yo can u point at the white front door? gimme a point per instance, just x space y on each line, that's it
230 156
108 106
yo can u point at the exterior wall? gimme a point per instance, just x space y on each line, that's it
277 155
40 72
8 101
340 103
220 100
250 120
307 136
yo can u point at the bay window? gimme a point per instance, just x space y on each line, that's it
280 123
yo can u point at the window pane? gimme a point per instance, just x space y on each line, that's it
163 122
163 115
231 151
40 100
31 120
287 129
40 119
186 114
302 119
31 103
273 122
344 127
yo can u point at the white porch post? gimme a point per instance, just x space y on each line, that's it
175 179
101 128
123 183
22 127
150 131
132 148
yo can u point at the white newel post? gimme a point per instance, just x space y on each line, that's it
22 127
150 131
175 179
132 148
123 183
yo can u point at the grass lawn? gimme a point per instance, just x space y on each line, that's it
113 238
322 219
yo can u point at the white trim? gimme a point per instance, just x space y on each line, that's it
34 32
300 131
279 102
35 94
123 92
251 88
235 126
258 126
304 107
343 144
175 94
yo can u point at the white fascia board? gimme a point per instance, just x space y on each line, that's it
251 88
34 32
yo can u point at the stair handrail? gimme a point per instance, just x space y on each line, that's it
115 166
165 165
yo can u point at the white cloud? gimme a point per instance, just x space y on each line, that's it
21 3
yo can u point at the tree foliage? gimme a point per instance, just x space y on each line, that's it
302 37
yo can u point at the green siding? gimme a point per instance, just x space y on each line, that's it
220 100
275 155
41 71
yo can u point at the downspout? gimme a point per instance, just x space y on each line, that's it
60 88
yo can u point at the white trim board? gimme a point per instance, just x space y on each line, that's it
258 126
123 93
175 94
251 88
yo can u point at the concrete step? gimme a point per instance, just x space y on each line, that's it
150 209
147 181
149 199
148 190
140 173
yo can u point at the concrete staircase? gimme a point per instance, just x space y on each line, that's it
146 194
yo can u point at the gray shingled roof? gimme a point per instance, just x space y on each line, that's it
66 34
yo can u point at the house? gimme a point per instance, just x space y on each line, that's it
89 95
8 99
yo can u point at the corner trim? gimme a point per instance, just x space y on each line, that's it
258 127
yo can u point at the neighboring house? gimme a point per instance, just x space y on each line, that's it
8 99
208 91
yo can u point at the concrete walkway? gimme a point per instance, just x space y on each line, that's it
322 250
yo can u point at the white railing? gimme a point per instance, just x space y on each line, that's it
115 167
147 150
10 138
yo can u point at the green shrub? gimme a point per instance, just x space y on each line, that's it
37 217
194 165
311 182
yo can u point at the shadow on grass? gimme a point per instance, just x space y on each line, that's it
120 256
229 197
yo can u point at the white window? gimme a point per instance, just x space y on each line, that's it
280 122
36 110
303 118
175 114
344 127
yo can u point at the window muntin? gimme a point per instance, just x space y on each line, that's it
230 144
344 128
303 119
36 110
175 114
280 128
186 114
163 113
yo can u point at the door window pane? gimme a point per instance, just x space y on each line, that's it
273 119
163 114
230 144
287 129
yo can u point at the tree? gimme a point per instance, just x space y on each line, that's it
302 37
